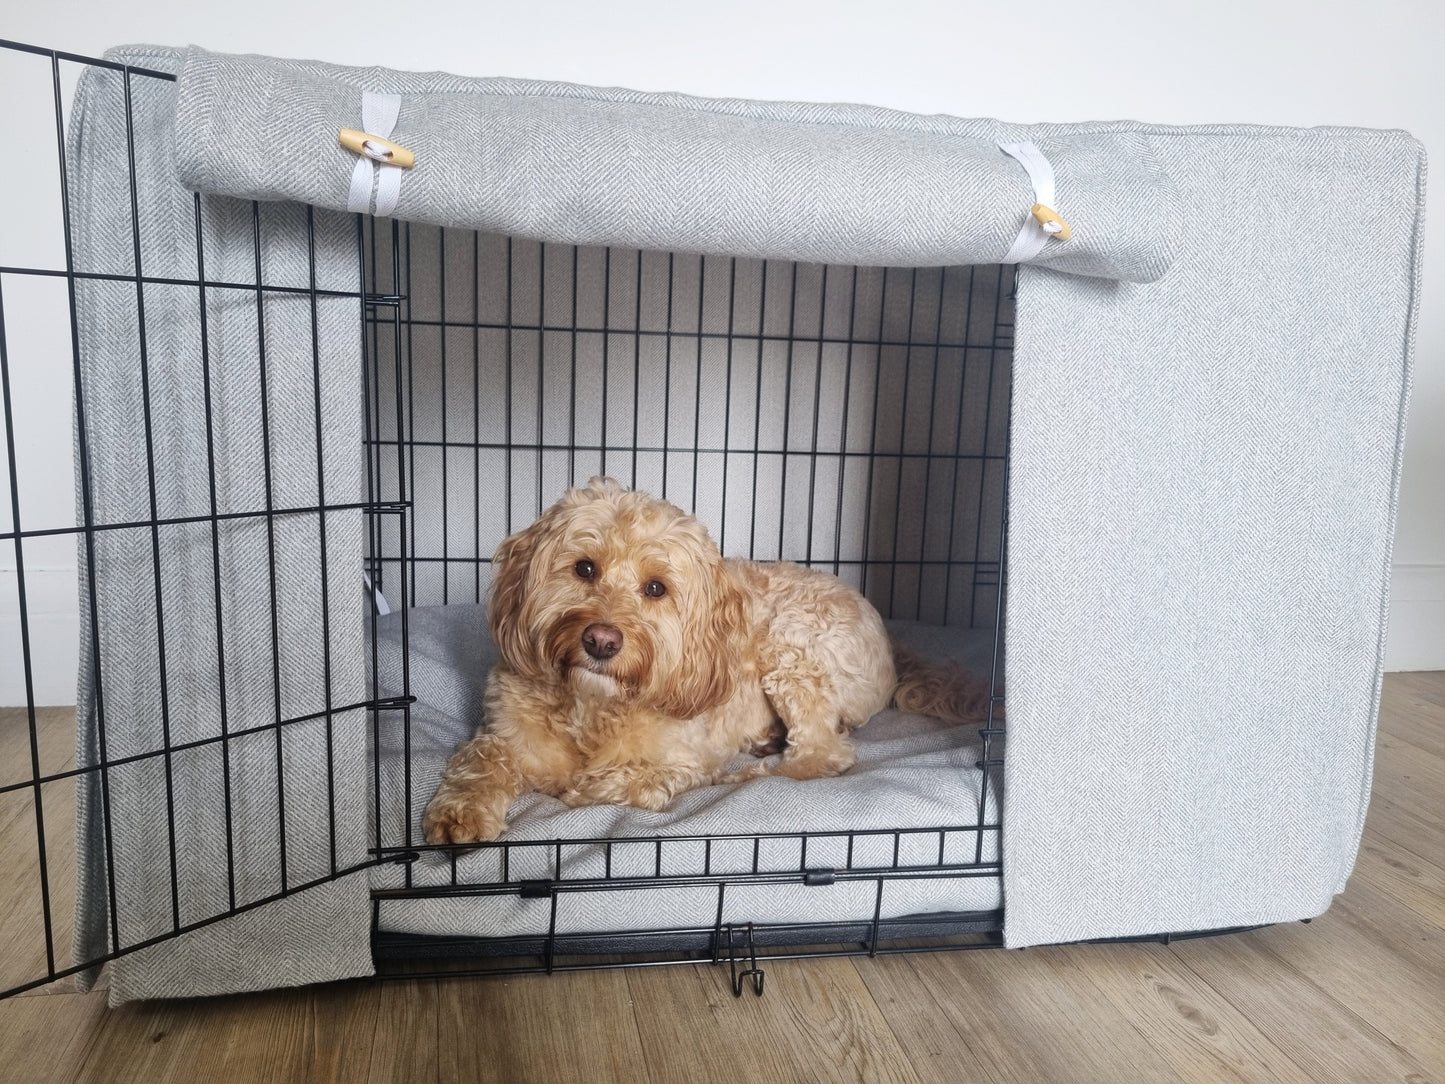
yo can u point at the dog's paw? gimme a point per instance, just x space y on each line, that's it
799 762
656 799
455 822
771 742
572 798
644 792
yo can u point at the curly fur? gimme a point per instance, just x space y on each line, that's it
716 656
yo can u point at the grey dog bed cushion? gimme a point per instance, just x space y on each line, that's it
912 773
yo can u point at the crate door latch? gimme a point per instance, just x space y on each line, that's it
735 953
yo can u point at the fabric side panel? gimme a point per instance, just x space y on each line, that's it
1201 509
223 634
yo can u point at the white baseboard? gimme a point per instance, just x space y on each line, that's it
1417 618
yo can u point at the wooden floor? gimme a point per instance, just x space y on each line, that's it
1357 995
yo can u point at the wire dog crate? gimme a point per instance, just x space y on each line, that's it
851 419
299 433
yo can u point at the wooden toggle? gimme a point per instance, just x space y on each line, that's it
376 148
1049 219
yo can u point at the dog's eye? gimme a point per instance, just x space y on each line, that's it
585 569
654 589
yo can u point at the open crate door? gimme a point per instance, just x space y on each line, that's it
214 511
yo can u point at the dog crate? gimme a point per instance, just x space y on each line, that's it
307 405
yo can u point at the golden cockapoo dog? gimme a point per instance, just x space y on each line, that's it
636 662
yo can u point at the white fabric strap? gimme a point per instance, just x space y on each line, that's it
1032 237
378 599
378 117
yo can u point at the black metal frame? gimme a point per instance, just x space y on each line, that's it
776 298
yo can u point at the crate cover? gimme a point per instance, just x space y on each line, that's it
1209 389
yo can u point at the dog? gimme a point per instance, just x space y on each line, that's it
635 662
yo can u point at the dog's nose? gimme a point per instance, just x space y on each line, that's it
601 641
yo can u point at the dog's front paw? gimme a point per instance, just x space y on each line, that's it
460 822
572 797
653 798
818 763
771 742
620 788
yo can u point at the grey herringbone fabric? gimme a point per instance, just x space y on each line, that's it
827 183
1202 492
180 406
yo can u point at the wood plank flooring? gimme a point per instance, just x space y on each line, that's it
1357 995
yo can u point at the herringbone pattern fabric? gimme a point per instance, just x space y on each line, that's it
826 183
1201 512
175 400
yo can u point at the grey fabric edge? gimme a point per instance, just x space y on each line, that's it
1407 362
211 960
420 82
90 935
132 54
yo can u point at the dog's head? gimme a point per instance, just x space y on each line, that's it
619 594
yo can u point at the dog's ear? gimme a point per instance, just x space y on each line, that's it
715 642
507 607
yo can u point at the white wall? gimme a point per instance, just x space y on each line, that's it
1266 61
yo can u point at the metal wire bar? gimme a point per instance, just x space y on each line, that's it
544 446
223 708
817 397
534 888
407 364
266 460
589 329
104 764
87 505
477 405
957 448
144 359
163 280
57 55
321 536
222 517
556 846
441 406
371 422
728 400
928 444
873 442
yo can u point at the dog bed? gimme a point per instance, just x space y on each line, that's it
913 773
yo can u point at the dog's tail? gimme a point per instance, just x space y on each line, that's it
942 690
